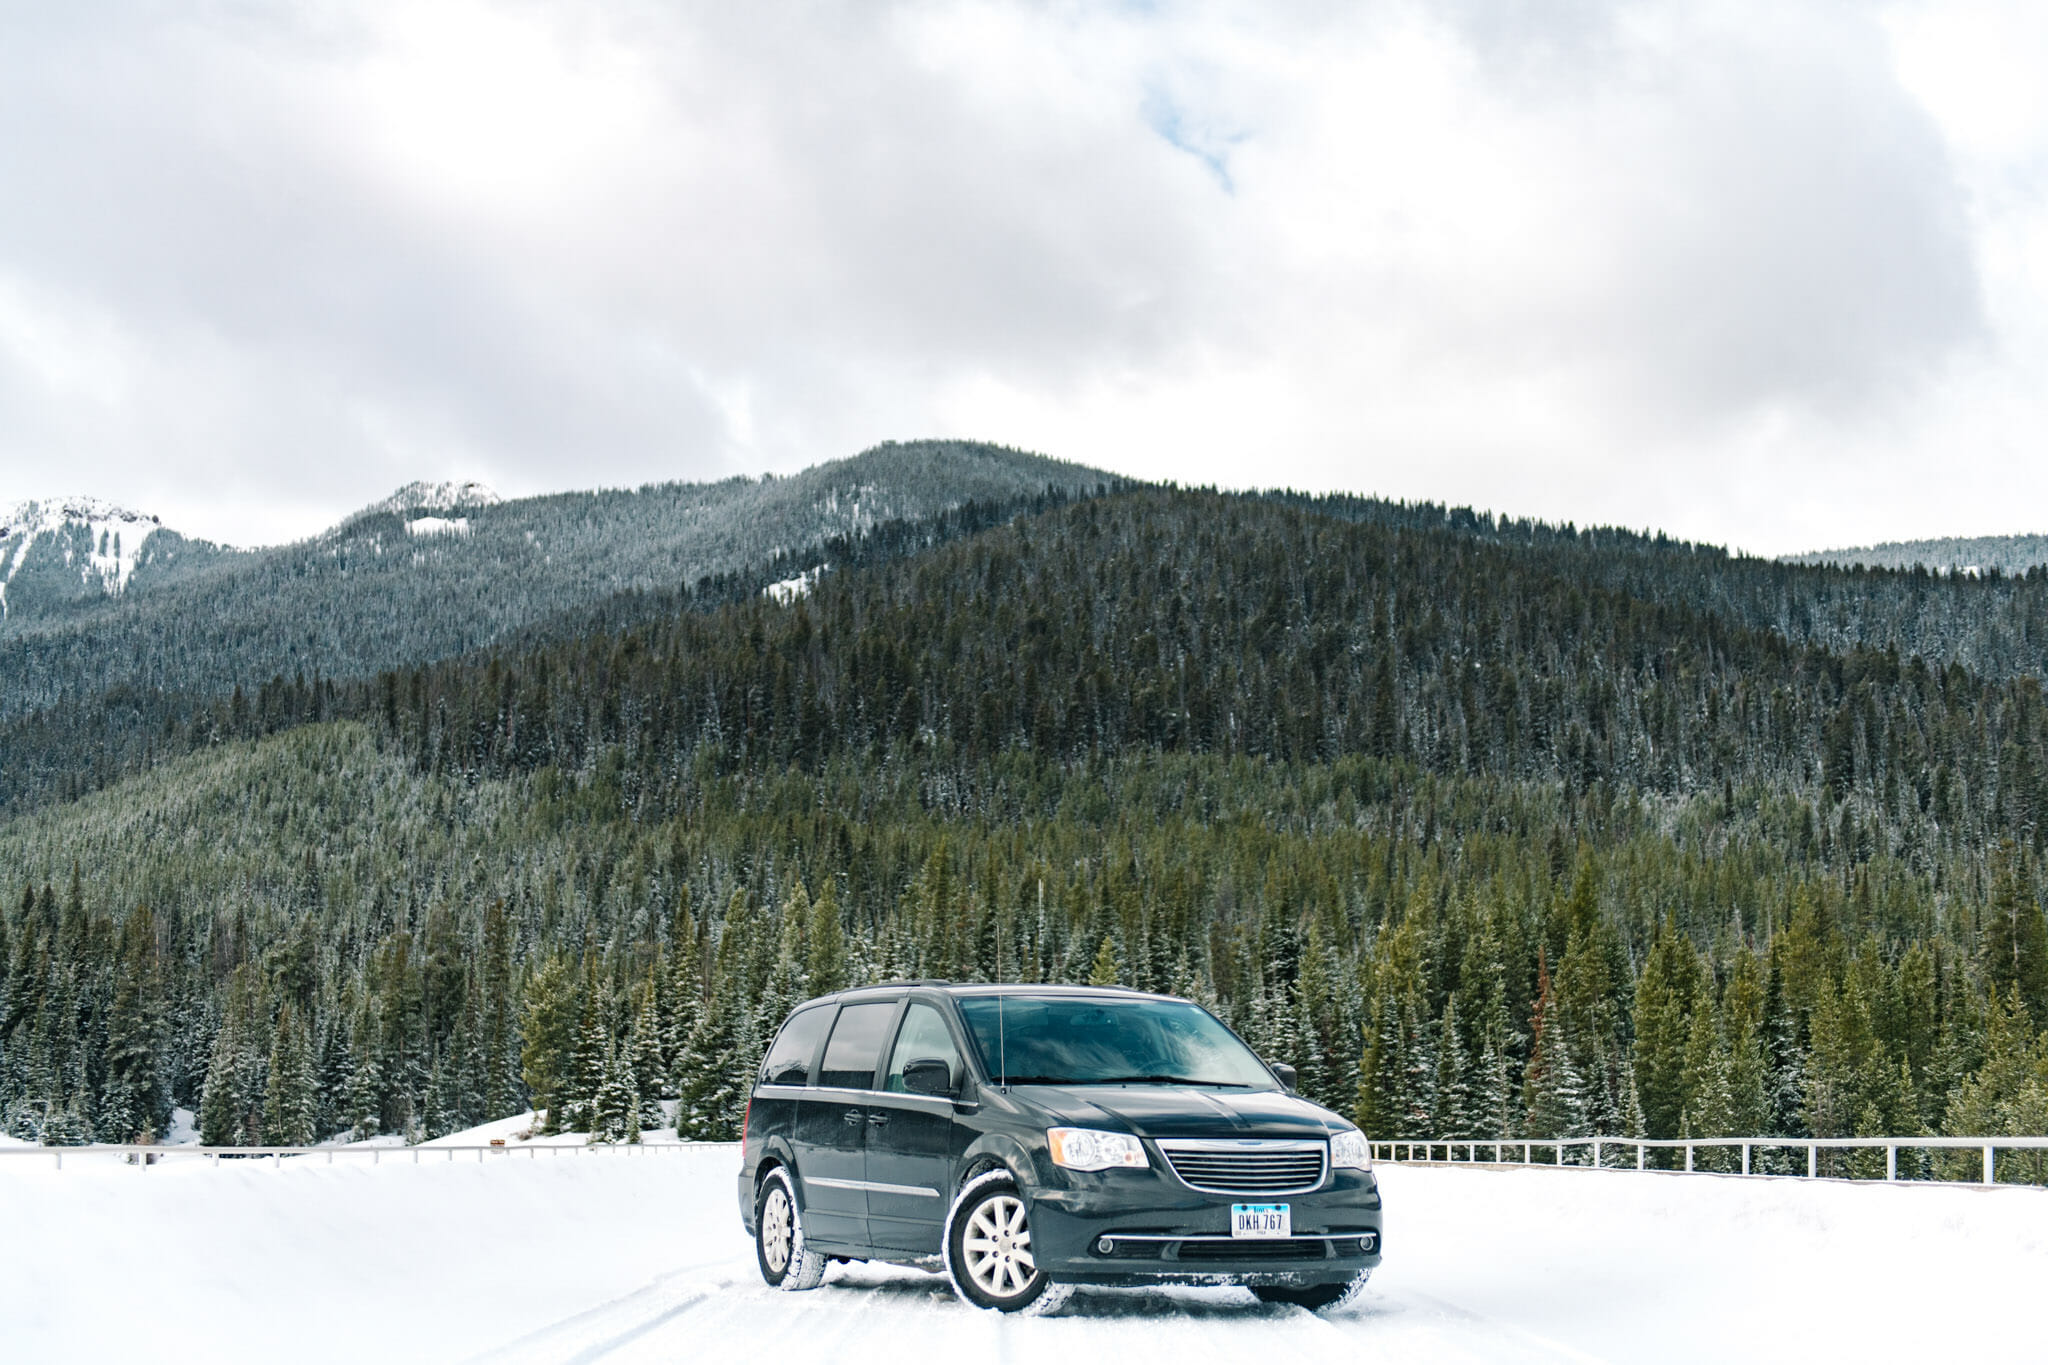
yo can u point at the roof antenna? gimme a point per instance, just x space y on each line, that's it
1002 1048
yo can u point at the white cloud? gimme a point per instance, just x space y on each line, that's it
1751 272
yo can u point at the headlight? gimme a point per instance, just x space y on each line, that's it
1089 1149
1352 1150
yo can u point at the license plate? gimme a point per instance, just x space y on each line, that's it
1261 1220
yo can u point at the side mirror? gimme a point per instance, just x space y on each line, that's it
928 1076
1287 1074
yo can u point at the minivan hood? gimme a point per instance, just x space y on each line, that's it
1173 1111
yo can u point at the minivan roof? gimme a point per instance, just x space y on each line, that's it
962 988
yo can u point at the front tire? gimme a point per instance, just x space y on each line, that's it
988 1249
1317 1298
786 1261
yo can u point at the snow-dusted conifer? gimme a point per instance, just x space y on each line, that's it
220 1108
288 1108
615 1109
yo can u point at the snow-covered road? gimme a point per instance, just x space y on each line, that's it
622 1257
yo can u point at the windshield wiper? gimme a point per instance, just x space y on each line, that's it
1161 1080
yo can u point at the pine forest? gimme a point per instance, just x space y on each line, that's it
1489 828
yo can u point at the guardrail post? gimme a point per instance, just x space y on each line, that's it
1688 1158
1891 1162
1639 1156
1560 1154
1745 1158
1990 1165
1812 1161
1596 1154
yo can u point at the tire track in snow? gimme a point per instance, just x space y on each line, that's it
535 1344
626 1338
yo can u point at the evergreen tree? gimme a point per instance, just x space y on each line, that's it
615 1109
220 1108
288 1103
1662 994
2007 1095
1105 971
587 1063
1553 1092
650 1073
682 1001
549 1033
710 1083
67 1126
1452 1088
827 965
497 1035
134 1100
2016 935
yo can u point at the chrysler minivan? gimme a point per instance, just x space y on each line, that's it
1027 1139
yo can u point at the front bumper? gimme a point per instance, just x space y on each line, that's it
1159 1230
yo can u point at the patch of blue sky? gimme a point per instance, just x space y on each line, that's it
1194 136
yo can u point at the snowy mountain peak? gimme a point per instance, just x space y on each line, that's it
437 497
97 540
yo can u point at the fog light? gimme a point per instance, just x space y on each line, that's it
1105 1245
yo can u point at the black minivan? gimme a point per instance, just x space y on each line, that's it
1033 1138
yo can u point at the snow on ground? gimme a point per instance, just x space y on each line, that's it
541 1254
115 534
517 1131
789 589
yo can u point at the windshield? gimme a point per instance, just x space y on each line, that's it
1055 1040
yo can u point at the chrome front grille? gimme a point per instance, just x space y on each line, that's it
1248 1165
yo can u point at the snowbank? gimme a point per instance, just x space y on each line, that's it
542 1254
517 1131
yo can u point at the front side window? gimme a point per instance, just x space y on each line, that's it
856 1046
789 1060
924 1037
1068 1040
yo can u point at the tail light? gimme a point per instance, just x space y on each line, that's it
746 1117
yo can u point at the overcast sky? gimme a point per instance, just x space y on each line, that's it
1766 274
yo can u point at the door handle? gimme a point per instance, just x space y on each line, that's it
878 1116
853 1116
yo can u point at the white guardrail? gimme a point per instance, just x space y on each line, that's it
1990 1146
147 1156
1397 1152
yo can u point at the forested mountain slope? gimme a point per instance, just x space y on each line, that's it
62 555
1995 623
2009 555
402 584
1480 846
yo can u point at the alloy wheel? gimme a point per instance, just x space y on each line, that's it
998 1247
776 1229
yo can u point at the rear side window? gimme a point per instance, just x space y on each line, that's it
856 1045
789 1060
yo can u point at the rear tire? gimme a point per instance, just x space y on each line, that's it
1317 1298
779 1248
988 1250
